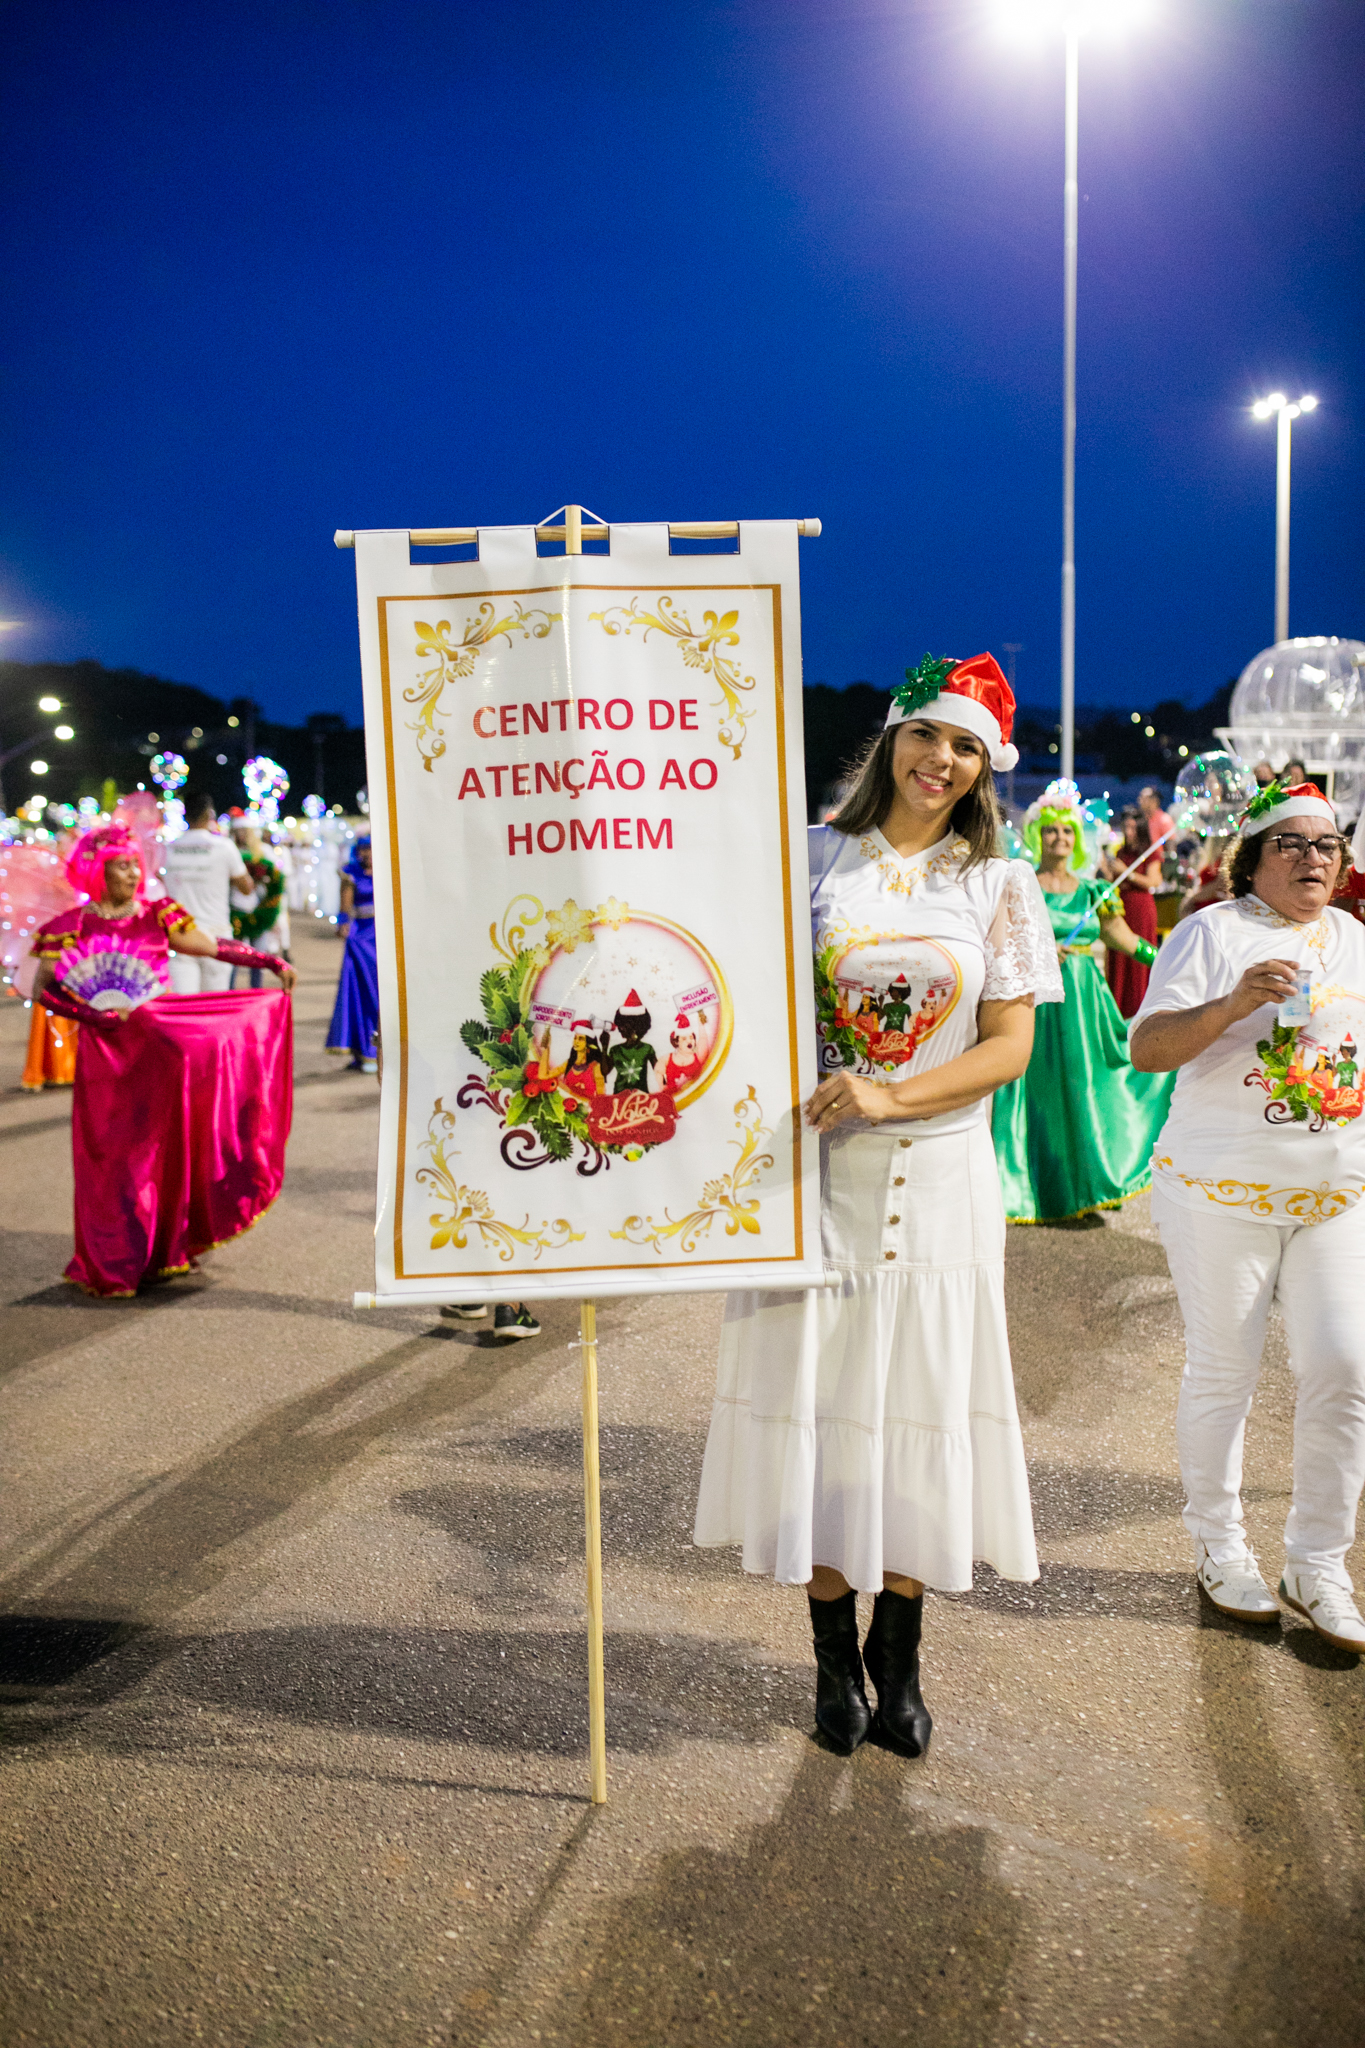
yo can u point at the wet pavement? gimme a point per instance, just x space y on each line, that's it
293 1681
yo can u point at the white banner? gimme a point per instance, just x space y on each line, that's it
588 807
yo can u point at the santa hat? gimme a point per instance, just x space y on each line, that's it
632 1006
583 1025
680 1022
972 694
1275 803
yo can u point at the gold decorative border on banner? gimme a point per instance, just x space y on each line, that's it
728 1196
700 648
471 1209
451 663
398 602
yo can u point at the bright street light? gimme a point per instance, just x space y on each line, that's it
1278 408
1072 19
37 767
63 732
49 703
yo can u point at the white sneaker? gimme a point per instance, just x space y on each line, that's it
1237 1588
1328 1605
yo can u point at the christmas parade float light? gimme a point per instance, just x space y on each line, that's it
266 783
1304 700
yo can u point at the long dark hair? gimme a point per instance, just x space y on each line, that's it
976 816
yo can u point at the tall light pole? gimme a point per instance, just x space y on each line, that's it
1071 215
1071 16
1278 407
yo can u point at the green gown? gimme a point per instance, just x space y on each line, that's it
1075 1131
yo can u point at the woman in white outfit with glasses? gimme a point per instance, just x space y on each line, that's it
1256 1188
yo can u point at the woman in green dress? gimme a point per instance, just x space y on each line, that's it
1075 1132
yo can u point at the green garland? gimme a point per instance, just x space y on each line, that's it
250 925
924 682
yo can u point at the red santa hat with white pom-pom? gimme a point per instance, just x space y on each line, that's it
972 694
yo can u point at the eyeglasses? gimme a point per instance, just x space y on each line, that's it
1294 846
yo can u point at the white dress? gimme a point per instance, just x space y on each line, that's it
873 1427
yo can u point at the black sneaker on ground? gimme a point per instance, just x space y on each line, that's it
466 1311
513 1319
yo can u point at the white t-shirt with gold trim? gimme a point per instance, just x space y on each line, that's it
1266 1123
906 947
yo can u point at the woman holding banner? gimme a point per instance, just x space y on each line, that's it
865 1437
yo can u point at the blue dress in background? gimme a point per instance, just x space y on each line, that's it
355 1020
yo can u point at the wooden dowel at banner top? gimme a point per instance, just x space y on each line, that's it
592 1517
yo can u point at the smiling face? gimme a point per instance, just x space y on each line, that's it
1298 886
121 877
933 765
1058 843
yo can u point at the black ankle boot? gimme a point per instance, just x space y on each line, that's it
892 1654
841 1711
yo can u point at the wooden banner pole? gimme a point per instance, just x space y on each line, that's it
592 1515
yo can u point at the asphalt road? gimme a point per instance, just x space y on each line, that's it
294 1681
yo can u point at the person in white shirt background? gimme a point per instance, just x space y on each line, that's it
202 870
1257 1184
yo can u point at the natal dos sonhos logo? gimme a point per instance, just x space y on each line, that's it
597 1039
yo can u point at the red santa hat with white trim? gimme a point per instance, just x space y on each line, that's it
972 694
1275 803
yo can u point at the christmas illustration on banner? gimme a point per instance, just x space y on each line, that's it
1312 1073
880 996
596 1036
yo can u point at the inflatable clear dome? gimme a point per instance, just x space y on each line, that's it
1305 700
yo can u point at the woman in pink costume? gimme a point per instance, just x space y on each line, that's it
182 1103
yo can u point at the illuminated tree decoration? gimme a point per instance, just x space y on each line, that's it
169 771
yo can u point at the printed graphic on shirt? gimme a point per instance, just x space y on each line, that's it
597 1038
879 999
1310 1073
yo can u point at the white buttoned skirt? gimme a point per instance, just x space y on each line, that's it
873 1426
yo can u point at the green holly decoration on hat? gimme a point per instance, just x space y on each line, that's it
1264 800
924 682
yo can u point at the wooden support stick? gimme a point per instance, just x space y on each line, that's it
592 1515
573 529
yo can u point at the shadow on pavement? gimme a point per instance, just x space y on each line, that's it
180 1540
515 1691
1279 1955
847 1919
525 1531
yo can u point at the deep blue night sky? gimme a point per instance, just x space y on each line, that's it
276 268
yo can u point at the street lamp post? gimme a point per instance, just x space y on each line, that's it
1278 407
1071 212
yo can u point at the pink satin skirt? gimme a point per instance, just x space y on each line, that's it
178 1130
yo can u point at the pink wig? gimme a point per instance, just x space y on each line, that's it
85 863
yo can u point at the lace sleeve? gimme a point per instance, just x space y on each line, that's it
1021 952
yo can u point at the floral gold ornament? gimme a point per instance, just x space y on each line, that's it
461 1209
730 1196
701 647
452 661
1304 1205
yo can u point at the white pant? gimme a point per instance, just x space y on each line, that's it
193 975
1227 1272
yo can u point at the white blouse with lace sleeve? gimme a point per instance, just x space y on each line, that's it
1021 951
